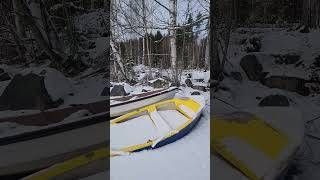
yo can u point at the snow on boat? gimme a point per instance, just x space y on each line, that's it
259 144
123 105
43 147
155 125
82 166
52 116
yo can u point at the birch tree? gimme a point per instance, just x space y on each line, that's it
172 31
311 13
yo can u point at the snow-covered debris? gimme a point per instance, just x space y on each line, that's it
201 75
127 87
77 115
48 84
288 56
158 83
92 24
10 129
57 85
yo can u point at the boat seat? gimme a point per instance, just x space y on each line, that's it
188 111
140 130
162 126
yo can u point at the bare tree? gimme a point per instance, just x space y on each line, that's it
172 32
213 43
311 13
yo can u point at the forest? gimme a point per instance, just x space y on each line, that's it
228 15
157 34
54 32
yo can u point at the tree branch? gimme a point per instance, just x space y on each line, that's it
162 5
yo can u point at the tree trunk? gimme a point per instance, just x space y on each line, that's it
207 54
118 59
39 33
18 18
213 45
311 13
19 26
51 30
226 43
92 4
35 9
172 32
148 52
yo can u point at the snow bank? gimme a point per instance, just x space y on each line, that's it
57 85
92 23
87 90
247 94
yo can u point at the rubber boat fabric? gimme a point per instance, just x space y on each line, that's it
154 126
257 148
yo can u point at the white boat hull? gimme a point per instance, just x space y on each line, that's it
40 152
121 109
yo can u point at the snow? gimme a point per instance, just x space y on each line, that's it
101 43
54 79
126 86
154 80
161 125
9 113
158 163
11 128
248 155
188 111
221 168
3 86
133 132
92 23
87 90
75 116
173 118
246 95
194 147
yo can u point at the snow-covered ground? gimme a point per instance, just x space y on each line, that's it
247 94
187 158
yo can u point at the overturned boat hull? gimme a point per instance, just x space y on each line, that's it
38 149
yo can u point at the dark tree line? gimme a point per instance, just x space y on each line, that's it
245 12
191 54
